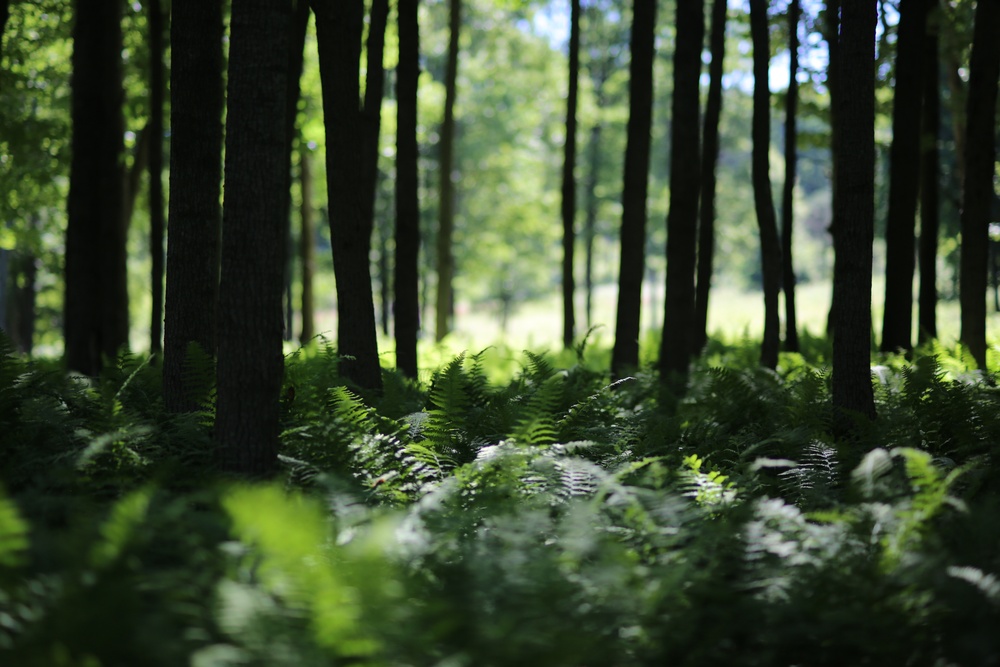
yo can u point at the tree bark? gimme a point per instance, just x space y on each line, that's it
156 223
569 178
980 158
788 191
682 219
196 106
307 244
904 179
831 35
446 186
710 158
250 363
930 169
407 271
96 297
854 215
625 354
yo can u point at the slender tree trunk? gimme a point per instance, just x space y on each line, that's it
853 397
682 219
307 244
196 106
384 281
904 179
96 297
625 354
371 110
156 222
831 34
710 158
407 274
446 195
980 159
569 178
788 192
929 189
251 366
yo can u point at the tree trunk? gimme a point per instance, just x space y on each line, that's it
710 157
348 131
196 106
156 222
446 194
929 189
854 216
569 178
625 354
406 281
788 191
980 158
307 244
770 250
831 35
682 219
250 365
904 179
96 298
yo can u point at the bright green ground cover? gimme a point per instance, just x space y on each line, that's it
543 519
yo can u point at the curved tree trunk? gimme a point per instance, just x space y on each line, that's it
445 301
569 178
788 191
929 189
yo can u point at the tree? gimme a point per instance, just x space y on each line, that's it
96 297
904 178
980 158
625 354
710 158
854 196
406 281
250 363
446 187
569 178
770 251
307 243
929 184
682 218
788 191
156 223
195 215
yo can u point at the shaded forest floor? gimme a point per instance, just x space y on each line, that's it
506 516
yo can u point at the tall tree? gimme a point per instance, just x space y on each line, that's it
930 183
625 354
307 243
569 177
904 178
349 183
831 35
710 158
788 190
682 218
96 297
250 363
406 280
156 222
854 211
980 159
446 187
195 214
770 250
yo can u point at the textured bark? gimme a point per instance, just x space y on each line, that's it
831 35
250 362
854 211
590 217
788 190
195 215
157 91
710 158
625 354
307 244
682 219
569 178
406 281
904 179
980 158
96 297
930 177
446 187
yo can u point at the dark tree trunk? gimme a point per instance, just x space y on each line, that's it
250 363
384 229
338 32
682 219
710 157
590 217
96 298
307 244
770 250
569 178
929 189
980 158
904 179
854 211
196 106
625 354
446 191
788 191
156 223
831 34
4 17
407 271
371 113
